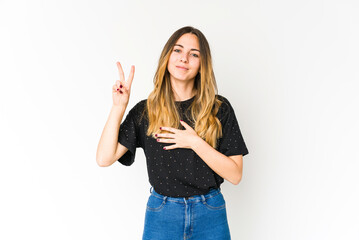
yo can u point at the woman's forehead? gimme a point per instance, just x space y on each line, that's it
188 40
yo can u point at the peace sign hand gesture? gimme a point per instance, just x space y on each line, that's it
121 89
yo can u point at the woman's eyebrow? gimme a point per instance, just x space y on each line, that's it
193 49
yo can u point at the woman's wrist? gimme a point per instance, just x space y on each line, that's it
197 141
119 107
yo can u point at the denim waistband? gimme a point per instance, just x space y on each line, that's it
195 198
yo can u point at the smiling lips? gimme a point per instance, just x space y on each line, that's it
182 68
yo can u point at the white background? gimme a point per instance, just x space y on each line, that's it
289 68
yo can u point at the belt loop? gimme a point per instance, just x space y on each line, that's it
164 199
151 189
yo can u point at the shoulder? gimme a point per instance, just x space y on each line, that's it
139 106
222 98
225 104
225 111
138 111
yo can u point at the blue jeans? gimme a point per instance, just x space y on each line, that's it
196 218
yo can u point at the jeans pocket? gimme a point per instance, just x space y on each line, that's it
155 204
216 202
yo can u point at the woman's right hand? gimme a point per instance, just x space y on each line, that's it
121 96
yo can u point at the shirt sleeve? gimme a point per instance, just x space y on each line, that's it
232 142
128 137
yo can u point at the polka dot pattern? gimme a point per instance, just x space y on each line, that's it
179 172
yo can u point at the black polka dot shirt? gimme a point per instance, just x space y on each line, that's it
179 172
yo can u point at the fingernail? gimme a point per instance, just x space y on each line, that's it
158 140
181 120
156 135
120 86
164 148
160 127
117 89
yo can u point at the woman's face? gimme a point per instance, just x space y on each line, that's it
184 61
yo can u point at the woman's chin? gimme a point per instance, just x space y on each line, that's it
182 78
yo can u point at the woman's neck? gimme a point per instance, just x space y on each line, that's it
183 97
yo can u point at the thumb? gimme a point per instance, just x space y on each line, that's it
184 124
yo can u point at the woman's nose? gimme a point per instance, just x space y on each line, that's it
184 58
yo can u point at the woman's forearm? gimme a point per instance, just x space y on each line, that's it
224 166
107 145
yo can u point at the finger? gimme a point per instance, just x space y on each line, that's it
114 88
166 140
173 146
184 124
122 76
130 77
166 135
120 84
169 129
123 88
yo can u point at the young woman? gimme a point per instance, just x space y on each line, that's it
191 139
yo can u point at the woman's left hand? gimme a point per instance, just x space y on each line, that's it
181 138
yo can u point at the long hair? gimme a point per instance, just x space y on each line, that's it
161 106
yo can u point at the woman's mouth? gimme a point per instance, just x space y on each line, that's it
182 68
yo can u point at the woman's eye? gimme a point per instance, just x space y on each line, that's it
179 50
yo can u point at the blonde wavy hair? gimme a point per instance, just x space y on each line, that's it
161 107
